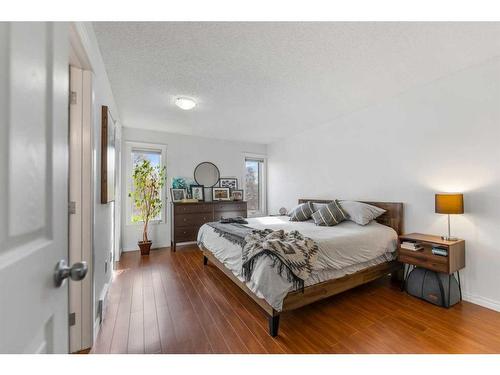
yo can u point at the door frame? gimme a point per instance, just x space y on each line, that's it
81 334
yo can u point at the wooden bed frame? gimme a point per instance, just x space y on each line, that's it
393 217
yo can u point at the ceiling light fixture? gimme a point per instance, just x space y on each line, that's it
185 103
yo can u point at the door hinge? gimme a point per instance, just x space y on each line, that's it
72 97
72 207
72 319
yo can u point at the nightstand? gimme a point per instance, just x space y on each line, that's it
424 258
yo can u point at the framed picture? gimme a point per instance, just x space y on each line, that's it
179 182
198 192
177 194
108 129
237 195
228 182
220 194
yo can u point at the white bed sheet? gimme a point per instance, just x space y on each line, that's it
343 249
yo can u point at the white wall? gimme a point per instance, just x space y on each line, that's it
184 153
443 136
103 235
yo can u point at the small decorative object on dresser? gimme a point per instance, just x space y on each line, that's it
198 192
220 194
444 266
178 194
187 218
450 204
229 182
237 195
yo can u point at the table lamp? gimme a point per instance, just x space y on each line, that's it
449 204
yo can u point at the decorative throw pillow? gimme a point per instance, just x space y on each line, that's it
361 213
329 215
302 212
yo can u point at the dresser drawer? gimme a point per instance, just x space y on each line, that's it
184 234
228 214
194 219
425 262
222 207
192 208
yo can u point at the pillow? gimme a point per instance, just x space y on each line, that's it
329 215
317 206
360 213
302 212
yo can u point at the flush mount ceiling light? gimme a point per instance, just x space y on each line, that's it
185 103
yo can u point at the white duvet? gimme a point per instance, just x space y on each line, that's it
343 249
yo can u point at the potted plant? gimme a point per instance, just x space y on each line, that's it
146 196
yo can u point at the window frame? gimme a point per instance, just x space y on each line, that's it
263 185
130 146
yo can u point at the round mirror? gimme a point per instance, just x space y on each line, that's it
206 174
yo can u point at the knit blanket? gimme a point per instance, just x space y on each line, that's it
293 255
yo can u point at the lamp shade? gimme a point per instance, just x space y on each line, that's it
449 204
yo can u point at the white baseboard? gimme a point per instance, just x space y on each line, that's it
482 301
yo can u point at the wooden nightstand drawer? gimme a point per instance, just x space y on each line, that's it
431 264
454 262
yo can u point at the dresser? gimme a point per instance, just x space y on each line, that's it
187 218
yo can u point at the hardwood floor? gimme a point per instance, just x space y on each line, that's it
170 303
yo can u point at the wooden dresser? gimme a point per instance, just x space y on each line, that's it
187 218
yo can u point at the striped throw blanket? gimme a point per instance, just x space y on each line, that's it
293 255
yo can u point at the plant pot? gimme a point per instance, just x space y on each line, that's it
145 247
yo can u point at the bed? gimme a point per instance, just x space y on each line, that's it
349 255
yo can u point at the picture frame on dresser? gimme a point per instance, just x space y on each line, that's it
220 194
237 195
198 192
228 182
177 195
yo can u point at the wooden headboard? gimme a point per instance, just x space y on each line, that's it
393 217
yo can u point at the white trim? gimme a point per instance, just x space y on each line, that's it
81 189
482 301
129 146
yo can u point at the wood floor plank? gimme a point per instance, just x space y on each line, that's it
168 340
170 303
152 343
190 336
119 342
242 341
213 331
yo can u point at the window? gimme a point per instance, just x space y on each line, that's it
136 153
138 156
255 191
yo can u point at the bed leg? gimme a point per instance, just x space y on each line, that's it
397 275
205 260
274 324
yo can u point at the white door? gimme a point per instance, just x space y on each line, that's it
33 186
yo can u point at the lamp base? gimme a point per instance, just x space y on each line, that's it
449 238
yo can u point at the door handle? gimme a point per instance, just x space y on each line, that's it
76 272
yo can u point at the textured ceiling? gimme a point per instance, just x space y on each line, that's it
262 81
